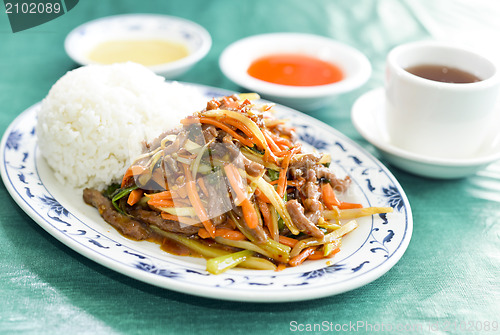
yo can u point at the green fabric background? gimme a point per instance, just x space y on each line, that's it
449 274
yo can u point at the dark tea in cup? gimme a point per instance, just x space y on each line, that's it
442 73
445 112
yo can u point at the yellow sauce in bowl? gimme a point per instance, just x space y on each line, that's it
147 52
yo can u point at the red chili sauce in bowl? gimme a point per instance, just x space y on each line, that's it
295 70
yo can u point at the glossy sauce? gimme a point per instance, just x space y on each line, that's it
146 52
295 70
175 248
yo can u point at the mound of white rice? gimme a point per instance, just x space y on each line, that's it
94 118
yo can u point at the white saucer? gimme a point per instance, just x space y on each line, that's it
368 115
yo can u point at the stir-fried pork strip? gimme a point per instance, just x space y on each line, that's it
296 212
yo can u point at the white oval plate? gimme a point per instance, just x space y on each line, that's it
367 253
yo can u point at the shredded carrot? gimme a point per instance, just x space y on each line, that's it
203 233
160 195
331 200
126 176
329 197
181 219
266 215
241 126
333 253
223 232
280 267
281 141
269 156
249 214
284 169
349 205
270 142
230 103
226 128
202 185
291 242
296 183
261 196
248 209
282 153
300 258
177 196
196 202
134 196
317 254
231 234
161 202
235 180
134 170
285 151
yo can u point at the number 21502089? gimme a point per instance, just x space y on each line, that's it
32 8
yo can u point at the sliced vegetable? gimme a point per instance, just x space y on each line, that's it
291 242
349 214
211 252
180 211
336 234
329 197
134 197
331 248
267 249
248 203
223 263
220 125
229 234
277 202
196 202
182 219
284 169
120 193
300 258
249 213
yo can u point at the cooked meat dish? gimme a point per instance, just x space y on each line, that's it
232 184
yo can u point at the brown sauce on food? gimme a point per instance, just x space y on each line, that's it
172 247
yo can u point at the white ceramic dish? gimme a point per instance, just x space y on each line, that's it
368 116
367 253
237 57
81 40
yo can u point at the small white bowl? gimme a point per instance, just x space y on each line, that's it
237 57
81 40
368 116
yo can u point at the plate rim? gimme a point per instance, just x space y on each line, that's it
151 278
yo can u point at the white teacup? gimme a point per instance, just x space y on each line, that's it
440 119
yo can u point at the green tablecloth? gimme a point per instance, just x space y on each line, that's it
448 278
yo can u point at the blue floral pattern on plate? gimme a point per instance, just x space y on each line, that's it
367 253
